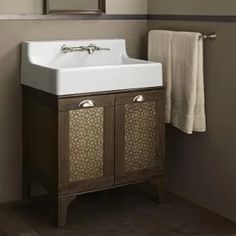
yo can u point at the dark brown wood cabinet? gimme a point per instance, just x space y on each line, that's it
84 143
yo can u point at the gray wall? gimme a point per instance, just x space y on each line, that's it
202 167
12 34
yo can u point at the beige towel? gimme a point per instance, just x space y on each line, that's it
159 49
185 89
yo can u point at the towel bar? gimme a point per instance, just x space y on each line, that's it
209 36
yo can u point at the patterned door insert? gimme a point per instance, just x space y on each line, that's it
140 136
86 135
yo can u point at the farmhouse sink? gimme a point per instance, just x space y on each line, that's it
85 66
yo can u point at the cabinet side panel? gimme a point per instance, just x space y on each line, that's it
40 137
161 129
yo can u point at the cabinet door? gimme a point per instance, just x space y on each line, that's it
86 143
139 135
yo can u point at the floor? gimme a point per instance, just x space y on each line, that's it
128 211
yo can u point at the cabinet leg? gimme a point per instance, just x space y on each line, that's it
62 206
159 183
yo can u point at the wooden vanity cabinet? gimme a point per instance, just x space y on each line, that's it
79 144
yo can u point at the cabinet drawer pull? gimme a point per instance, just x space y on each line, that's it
139 98
87 104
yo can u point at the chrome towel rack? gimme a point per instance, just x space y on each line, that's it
209 36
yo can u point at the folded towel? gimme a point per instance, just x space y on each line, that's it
183 63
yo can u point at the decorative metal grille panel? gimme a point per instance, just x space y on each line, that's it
86 135
140 135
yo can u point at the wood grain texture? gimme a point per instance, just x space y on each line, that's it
62 206
63 149
72 103
40 140
113 92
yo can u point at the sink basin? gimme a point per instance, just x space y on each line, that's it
47 68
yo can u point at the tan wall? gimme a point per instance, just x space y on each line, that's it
127 6
197 7
12 34
202 167
21 6
36 6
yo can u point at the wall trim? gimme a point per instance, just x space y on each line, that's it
75 17
216 18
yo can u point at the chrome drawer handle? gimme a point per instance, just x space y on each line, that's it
87 104
139 98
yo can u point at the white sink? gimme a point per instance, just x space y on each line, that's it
47 68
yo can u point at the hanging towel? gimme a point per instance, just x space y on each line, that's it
185 91
159 49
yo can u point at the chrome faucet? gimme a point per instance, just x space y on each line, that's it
91 48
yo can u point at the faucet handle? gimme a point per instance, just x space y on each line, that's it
65 49
92 48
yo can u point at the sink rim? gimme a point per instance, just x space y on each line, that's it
139 62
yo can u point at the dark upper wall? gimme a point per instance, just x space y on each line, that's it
193 7
201 167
